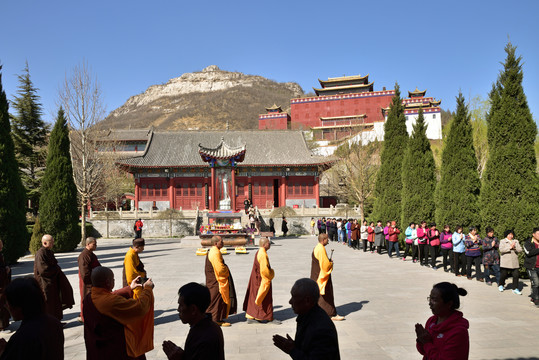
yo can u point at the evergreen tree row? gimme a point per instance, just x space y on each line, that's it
508 194
12 194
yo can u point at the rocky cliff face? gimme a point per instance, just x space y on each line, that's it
203 100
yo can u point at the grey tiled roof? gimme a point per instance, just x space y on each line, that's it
125 135
263 148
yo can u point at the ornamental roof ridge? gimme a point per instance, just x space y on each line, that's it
417 92
222 151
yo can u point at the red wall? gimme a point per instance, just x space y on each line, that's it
306 113
277 121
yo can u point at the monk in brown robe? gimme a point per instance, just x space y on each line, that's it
56 288
139 334
40 335
321 269
258 303
205 339
87 261
219 282
107 313
5 279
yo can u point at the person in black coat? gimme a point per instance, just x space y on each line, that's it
316 336
284 226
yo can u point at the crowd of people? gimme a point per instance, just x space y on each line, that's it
460 252
120 324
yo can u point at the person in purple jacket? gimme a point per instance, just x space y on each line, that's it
386 234
447 247
473 254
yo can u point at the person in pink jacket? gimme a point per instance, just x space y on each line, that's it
445 335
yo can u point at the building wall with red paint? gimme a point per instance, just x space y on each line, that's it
306 112
274 121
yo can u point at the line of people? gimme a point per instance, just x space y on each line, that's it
460 252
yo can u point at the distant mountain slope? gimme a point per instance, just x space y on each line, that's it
203 100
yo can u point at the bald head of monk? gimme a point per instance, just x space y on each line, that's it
47 241
218 241
323 239
91 243
103 277
305 294
265 243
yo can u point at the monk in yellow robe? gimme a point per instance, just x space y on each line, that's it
107 313
258 303
219 282
321 269
138 335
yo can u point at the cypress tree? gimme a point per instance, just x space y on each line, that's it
510 188
457 195
29 133
418 176
12 195
388 190
58 210
37 234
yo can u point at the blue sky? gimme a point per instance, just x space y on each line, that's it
443 47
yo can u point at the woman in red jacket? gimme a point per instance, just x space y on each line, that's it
370 237
445 335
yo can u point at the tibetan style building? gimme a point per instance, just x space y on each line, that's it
347 107
218 170
274 118
432 112
342 107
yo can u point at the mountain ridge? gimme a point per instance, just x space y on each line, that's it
209 99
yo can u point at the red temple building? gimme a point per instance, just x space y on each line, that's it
218 170
342 107
347 106
274 118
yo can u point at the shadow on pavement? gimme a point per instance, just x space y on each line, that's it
349 308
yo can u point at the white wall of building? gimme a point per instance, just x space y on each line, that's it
433 121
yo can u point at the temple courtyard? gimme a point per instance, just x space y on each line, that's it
381 298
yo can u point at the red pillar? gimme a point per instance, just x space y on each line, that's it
171 196
233 190
317 190
212 201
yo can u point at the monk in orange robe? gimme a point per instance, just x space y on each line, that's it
107 313
139 334
321 269
219 282
258 303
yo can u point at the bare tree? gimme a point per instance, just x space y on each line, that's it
80 96
354 175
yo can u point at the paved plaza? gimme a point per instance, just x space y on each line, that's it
382 299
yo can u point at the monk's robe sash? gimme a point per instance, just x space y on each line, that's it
266 274
326 267
221 274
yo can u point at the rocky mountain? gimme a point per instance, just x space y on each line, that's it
203 100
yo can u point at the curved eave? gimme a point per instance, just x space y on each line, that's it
417 92
343 79
346 87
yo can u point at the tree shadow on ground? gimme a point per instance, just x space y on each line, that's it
349 308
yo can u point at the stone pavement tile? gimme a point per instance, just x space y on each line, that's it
381 298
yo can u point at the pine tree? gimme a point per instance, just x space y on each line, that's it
29 133
418 176
510 187
388 190
12 196
58 209
457 195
